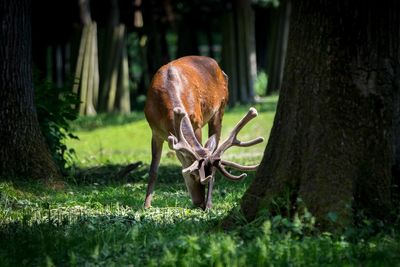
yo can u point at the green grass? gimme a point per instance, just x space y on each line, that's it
98 220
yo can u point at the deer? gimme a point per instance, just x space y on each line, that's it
185 95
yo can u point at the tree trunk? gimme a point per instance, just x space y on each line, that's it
239 55
23 152
155 28
278 43
246 50
333 139
123 103
114 94
188 36
229 60
87 72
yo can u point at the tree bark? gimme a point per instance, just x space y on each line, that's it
23 152
333 143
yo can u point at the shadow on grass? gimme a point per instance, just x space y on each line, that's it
169 176
110 174
73 239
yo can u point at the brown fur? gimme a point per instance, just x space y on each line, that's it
198 86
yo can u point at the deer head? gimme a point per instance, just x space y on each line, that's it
201 162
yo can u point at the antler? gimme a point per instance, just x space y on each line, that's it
180 143
233 141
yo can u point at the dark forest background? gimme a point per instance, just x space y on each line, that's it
108 50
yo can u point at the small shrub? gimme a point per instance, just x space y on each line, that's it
55 109
260 84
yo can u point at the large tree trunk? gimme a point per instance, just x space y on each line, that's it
23 150
333 139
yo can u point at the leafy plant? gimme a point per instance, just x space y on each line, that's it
56 109
260 83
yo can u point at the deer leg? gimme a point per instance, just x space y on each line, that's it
200 188
214 127
209 194
156 149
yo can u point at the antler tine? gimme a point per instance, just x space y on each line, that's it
191 168
179 114
180 142
232 139
238 166
228 175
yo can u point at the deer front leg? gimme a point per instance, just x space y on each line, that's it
214 127
156 149
209 194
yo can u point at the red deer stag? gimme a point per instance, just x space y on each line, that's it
184 95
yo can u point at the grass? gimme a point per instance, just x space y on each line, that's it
98 220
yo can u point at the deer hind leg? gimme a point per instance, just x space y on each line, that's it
156 149
214 127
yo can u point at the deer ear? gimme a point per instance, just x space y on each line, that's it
211 143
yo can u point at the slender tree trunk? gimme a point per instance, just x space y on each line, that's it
246 50
23 150
114 94
239 54
333 139
155 30
278 44
123 104
115 63
87 71
262 26
90 70
188 36
229 60
87 68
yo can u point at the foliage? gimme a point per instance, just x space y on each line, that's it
55 109
260 84
97 220
267 3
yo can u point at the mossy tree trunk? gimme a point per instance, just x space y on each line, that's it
23 152
333 143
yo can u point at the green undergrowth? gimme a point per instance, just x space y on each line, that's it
98 219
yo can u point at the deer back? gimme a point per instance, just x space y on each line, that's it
195 84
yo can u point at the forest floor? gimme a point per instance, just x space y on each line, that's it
98 218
